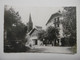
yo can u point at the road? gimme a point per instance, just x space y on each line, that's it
51 49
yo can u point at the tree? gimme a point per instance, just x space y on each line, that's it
69 23
10 20
13 27
51 34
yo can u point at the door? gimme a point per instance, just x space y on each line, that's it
35 41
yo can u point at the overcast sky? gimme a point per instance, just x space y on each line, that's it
40 15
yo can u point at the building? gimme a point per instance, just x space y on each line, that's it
56 21
32 37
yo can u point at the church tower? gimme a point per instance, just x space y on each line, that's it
30 24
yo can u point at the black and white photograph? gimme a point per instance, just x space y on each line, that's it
40 29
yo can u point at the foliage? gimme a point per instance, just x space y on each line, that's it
69 23
13 24
70 20
15 29
51 33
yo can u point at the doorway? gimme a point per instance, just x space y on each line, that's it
36 42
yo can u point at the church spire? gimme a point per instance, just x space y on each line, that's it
30 23
30 19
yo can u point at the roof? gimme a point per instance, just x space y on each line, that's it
32 31
36 28
54 15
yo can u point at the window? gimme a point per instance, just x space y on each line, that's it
58 22
58 19
55 22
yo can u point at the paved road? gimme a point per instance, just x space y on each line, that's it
51 49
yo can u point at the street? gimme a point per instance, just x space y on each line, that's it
51 49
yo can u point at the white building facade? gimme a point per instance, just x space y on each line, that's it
56 21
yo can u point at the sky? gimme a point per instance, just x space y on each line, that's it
39 15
